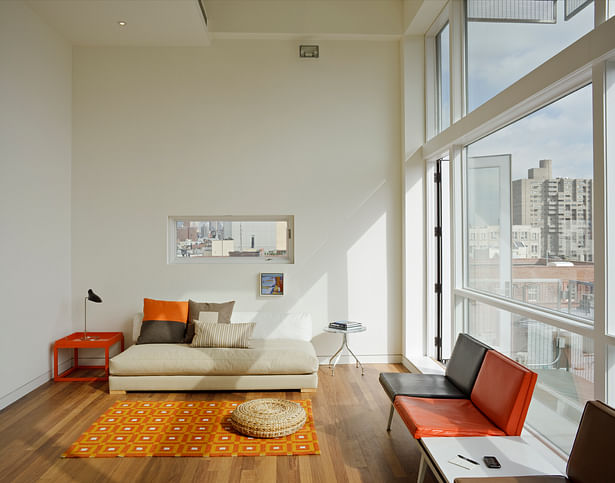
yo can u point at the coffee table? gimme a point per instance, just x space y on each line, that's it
517 457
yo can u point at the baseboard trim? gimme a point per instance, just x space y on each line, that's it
26 388
31 385
365 359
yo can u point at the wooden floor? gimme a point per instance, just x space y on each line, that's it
350 414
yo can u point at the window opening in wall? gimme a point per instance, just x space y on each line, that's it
506 39
529 209
266 239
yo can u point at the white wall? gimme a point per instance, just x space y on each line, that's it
35 167
241 127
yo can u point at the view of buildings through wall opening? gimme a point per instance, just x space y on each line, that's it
231 238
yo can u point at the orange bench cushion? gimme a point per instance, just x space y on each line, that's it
427 417
503 391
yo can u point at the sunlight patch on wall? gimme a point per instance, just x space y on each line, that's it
367 285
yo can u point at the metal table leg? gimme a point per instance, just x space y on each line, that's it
338 354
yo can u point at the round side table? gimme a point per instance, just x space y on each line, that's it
338 354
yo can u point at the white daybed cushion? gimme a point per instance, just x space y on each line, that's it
279 356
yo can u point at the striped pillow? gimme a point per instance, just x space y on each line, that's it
210 334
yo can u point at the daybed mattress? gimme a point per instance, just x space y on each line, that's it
275 356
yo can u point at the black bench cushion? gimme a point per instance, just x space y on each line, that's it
419 385
465 362
457 382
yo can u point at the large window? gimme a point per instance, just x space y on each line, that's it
532 200
529 209
506 39
230 239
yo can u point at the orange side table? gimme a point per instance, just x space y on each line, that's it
104 340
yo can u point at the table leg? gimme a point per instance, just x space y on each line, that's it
422 467
338 354
358 363
55 363
107 362
75 358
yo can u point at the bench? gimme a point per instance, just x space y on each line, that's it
482 393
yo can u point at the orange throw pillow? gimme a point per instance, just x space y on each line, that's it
164 322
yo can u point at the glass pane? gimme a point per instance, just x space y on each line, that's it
218 238
563 360
444 80
501 52
488 223
547 237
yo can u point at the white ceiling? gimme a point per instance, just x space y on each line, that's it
148 22
180 22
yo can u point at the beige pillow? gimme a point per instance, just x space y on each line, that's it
208 334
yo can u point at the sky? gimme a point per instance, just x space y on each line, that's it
501 53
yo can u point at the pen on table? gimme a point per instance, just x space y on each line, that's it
467 459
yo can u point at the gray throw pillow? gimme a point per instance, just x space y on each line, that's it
224 314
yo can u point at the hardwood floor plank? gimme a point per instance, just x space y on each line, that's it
350 413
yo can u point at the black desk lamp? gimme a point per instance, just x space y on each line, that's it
92 297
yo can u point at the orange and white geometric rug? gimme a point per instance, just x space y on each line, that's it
183 428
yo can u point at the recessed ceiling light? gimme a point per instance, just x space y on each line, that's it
121 23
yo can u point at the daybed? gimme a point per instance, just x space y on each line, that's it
280 357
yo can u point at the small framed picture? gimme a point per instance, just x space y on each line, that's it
272 284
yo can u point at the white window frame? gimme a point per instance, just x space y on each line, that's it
432 84
173 259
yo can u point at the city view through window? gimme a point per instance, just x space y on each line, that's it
529 238
223 238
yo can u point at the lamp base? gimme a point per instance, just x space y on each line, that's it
89 337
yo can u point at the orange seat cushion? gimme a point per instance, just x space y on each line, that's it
503 391
426 417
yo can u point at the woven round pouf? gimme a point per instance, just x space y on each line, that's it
268 418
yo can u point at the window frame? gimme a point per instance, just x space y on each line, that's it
172 258
432 84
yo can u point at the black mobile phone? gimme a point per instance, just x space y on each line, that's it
491 462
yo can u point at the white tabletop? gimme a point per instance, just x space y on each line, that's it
346 331
517 457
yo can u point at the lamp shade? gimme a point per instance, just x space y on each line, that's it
92 297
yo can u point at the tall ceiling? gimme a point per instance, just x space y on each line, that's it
181 23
